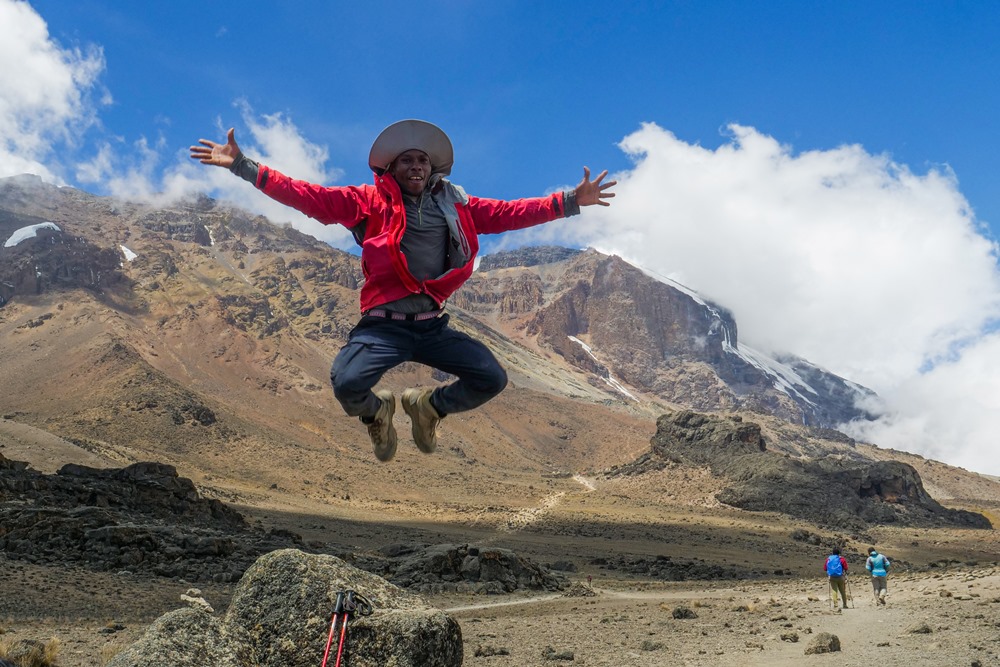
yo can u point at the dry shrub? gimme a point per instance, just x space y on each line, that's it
110 650
30 652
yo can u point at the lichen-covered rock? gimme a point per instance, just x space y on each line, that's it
185 637
284 601
280 615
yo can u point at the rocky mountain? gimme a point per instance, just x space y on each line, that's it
631 336
637 335
200 336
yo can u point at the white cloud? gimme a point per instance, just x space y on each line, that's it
947 414
52 96
273 140
845 258
136 171
46 90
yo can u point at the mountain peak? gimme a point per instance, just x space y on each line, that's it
526 257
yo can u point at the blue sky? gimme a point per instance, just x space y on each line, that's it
826 170
531 90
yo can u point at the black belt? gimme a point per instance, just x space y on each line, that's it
411 317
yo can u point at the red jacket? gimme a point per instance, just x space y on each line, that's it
380 207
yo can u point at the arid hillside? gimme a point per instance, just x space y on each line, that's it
200 337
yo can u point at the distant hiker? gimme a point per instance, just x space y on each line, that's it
419 238
878 565
836 568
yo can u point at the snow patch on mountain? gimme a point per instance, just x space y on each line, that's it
785 378
29 232
613 383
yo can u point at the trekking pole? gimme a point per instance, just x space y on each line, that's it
850 594
347 604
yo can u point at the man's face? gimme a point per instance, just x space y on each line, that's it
411 170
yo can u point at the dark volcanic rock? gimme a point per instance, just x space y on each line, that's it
698 439
146 518
141 518
462 568
840 493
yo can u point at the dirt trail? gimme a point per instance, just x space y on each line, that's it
523 518
751 624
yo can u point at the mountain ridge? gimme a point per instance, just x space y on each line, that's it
207 346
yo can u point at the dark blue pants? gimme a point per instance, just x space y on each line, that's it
376 345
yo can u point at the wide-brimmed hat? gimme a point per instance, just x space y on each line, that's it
408 134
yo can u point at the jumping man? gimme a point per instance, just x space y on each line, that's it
418 234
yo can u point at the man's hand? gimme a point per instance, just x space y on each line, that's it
590 192
221 155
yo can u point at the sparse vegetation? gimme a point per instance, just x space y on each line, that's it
30 652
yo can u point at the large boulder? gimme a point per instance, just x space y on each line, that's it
847 494
279 616
186 637
699 439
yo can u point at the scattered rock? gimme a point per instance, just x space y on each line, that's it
824 642
579 590
111 628
683 612
919 629
551 654
487 651
146 519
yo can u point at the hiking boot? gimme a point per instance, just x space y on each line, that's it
380 428
417 403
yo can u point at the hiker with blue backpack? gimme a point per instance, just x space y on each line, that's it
878 565
836 569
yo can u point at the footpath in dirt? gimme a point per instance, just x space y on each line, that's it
929 621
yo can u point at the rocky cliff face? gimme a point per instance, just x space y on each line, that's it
838 493
613 321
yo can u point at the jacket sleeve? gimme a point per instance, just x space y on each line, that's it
843 562
492 216
347 206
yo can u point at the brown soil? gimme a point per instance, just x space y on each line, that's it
629 620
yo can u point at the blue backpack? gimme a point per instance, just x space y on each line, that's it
834 567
